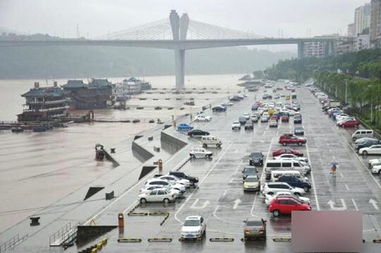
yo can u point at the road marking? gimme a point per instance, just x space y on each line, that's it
194 205
223 195
236 203
202 181
312 178
253 206
332 205
341 175
354 203
346 187
373 203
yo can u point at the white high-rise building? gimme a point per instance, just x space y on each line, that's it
362 18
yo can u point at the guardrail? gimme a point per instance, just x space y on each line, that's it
13 242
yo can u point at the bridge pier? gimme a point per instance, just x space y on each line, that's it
180 68
300 49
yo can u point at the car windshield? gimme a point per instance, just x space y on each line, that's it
192 223
254 223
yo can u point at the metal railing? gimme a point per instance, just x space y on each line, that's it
13 242
65 234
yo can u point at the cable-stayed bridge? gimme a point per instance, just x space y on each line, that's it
178 34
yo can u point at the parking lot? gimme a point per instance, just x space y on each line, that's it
220 198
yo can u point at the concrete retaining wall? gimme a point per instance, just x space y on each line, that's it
170 143
141 153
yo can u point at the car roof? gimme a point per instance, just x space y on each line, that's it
195 217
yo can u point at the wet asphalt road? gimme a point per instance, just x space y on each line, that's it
221 200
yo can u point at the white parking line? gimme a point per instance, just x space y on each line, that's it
312 178
204 178
346 187
354 203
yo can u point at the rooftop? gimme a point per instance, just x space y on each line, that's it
44 92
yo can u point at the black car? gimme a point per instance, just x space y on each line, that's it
235 98
365 142
295 182
249 125
256 159
299 130
249 171
197 133
298 119
219 108
254 107
182 175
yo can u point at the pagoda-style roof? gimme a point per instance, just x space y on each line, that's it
74 84
44 92
99 83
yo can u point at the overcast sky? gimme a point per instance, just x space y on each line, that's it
99 17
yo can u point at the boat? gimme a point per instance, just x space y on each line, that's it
17 129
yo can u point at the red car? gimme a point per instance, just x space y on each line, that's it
291 139
349 123
285 205
285 118
282 151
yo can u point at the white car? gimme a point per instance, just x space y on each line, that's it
194 227
200 153
270 197
157 195
165 183
374 162
271 188
150 188
176 180
292 156
372 150
376 169
246 115
236 125
202 118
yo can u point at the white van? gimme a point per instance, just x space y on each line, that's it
210 141
362 133
278 173
273 165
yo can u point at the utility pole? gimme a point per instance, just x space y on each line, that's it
346 91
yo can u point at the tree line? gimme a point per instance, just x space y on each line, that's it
354 79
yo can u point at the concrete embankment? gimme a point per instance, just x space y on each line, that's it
170 143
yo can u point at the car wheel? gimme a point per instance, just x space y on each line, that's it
192 156
204 145
299 144
364 153
284 143
306 189
276 213
165 201
143 201
218 145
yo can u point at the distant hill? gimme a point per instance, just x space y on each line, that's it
65 62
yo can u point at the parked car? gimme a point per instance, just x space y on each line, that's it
242 120
285 205
299 130
211 141
291 156
361 133
180 174
281 151
376 169
372 150
265 118
249 125
374 162
254 118
202 118
365 142
236 125
285 118
184 127
165 183
251 183
254 229
194 227
295 182
298 119
157 195
197 133
200 153
246 115
256 159
287 139
249 171
270 197
174 179
349 123
273 187
219 108
273 123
